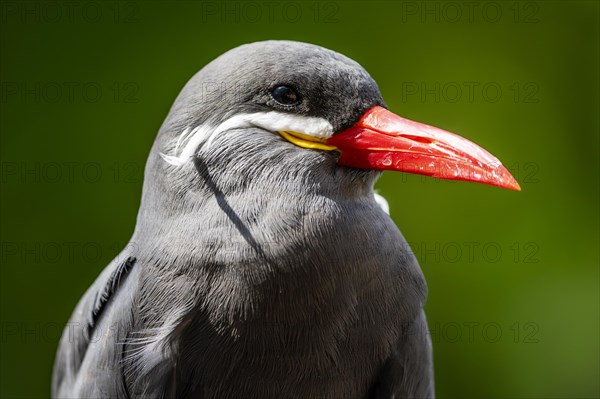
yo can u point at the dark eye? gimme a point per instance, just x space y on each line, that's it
285 95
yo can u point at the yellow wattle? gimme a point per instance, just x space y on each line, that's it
306 141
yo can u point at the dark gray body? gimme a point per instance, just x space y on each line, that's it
257 270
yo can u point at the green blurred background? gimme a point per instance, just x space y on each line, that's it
513 276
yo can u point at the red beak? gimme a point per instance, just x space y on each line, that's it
382 140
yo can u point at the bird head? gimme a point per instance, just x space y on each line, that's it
282 109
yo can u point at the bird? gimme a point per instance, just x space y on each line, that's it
263 264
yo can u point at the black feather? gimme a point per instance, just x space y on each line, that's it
112 285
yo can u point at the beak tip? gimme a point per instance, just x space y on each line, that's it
508 181
514 186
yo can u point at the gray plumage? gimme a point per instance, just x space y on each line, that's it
258 269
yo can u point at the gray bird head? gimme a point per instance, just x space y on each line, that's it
227 118
286 115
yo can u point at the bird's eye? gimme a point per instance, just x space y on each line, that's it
285 95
